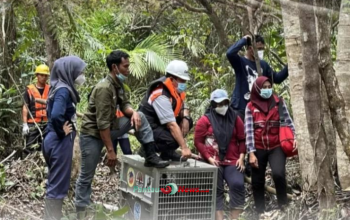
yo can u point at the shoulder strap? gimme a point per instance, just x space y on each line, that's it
280 110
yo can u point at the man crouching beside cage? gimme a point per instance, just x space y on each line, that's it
165 109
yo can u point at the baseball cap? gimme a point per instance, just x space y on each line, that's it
219 95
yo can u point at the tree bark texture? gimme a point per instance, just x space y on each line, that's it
330 131
336 100
296 79
76 161
342 67
7 43
44 12
214 18
314 109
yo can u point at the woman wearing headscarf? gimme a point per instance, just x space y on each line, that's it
66 74
262 121
219 138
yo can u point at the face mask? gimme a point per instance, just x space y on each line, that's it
221 110
121 77
80 80
181 87
266 93
261 54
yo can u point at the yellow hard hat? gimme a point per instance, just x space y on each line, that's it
42 69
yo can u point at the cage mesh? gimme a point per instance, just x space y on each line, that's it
187 205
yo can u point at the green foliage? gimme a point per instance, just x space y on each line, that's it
3 182
152 54
9 108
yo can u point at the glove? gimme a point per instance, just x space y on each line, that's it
25 129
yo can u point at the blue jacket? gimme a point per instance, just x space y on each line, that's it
246 74
59 110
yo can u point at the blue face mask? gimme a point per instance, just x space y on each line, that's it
266 93
121 77
181 87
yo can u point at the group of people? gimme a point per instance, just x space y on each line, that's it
228 129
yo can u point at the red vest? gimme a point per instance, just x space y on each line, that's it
266 127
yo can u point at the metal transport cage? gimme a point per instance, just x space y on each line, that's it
193 190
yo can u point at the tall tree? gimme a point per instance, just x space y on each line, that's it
291 25
314 108
329 90
342 67
7 42
52 47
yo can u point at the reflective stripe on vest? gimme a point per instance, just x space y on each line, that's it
38 110
179 98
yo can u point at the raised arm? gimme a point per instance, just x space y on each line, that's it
232 52
278 77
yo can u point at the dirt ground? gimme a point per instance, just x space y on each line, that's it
23 188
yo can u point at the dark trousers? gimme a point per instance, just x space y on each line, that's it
164 139
235 182
58 154
34 137
124 144
277 161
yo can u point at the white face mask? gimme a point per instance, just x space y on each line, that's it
261 54
221 110
80 80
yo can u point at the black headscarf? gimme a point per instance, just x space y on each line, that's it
223 127
64 72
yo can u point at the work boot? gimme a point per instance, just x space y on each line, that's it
53 209
151 158
173 156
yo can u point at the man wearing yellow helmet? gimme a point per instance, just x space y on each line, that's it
34 112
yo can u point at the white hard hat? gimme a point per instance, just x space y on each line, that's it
179 69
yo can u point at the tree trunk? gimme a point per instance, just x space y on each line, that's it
330 131
330 91
313 109
76 161
216 22
7 43
342 67
44 13
296 78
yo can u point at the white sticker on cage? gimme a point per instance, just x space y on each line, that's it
137 211
148 186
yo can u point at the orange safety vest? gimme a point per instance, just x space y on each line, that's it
179 98
38 110
161 86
